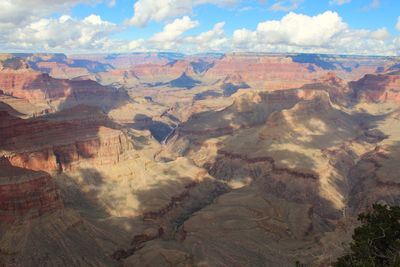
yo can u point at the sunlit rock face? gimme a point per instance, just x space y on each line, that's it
63 140
51 94
157 159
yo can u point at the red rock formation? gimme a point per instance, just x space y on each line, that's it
271 161
26 194
377 88
39 87
175 200
265 72
57 144
125 61
61 70
162 72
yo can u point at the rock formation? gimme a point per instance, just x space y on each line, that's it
266 160
72 136
26 194
42 90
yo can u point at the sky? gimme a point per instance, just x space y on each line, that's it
364 27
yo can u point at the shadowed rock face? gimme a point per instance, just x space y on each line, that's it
60 66
201 66
52 144
184 81
377 88
43 90
323 62
266 160
26 194
232 84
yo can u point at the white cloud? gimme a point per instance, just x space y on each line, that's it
324 33
396 43
175 29
301 30
137 45
22 12
286 6
339 2
398 24
64 33
243 39
148 10
212 40
169 39
380 34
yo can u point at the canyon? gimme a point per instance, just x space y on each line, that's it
166 159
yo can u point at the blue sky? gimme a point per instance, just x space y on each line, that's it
366 26
248 14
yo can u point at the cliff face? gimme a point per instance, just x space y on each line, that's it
41 89
260 71
66 142
263 72
382 88
263 135
301 167
247 161
26 194
61 70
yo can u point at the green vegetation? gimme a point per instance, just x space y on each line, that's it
376 243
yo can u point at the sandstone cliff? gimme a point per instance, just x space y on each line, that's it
57 143
26 194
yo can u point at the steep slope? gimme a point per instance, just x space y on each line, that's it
289 157
26 194
58 142
239 170
379 88
50 94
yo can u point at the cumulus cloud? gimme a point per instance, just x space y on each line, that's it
244 38
169 39
175 29
286 6
136 45
60 34
324 33
21 12
398 24
172 39
294 32
148 10
339 2
301 30
212 40
380 34
396 43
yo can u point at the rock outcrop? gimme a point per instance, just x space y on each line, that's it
43 90
380 88
26 194
59 142
239 170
